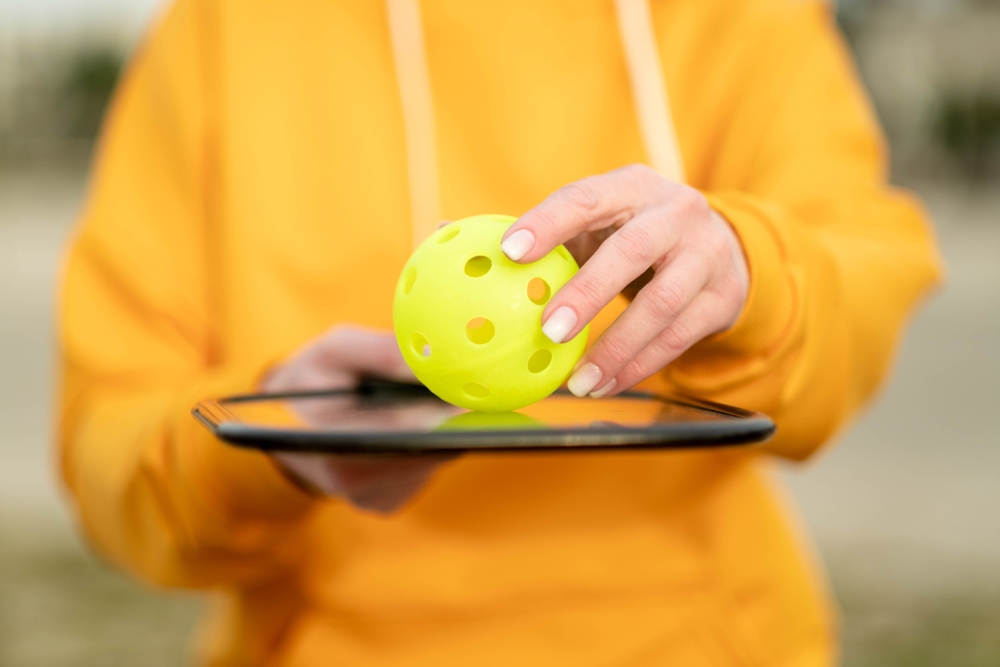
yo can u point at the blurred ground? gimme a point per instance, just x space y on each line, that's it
905 508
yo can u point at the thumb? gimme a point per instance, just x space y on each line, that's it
361 352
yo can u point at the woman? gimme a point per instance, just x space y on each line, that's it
264 173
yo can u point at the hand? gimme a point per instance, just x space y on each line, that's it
621 225
337 360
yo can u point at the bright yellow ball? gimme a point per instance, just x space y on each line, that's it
468 320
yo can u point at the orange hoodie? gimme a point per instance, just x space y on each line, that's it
252 188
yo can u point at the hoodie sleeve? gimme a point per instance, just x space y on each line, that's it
838 259
153 489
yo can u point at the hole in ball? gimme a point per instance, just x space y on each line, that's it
562 252
478 266
479 330
420 345
476 390
448 233
409 279
539 361
538 291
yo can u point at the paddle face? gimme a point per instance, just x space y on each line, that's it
388 418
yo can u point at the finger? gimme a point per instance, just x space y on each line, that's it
443 223
654 310
381 484
301 470
706 315
622 258
360 352
377 483
593 203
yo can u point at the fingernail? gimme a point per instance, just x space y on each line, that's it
518 244
603 391
584 379
559 324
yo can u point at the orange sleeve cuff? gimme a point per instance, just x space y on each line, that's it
749 347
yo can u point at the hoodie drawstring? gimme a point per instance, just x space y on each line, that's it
649 88
649 94
407 35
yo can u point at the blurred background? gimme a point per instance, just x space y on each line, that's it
905 508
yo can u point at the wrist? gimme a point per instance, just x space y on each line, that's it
757 333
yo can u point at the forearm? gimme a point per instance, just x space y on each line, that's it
161 496
828 299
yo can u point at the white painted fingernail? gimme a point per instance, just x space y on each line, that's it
559 324
518 244
584 380
603 391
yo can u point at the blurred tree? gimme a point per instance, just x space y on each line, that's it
967 126
91 79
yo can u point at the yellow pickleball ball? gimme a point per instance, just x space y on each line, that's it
468 319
